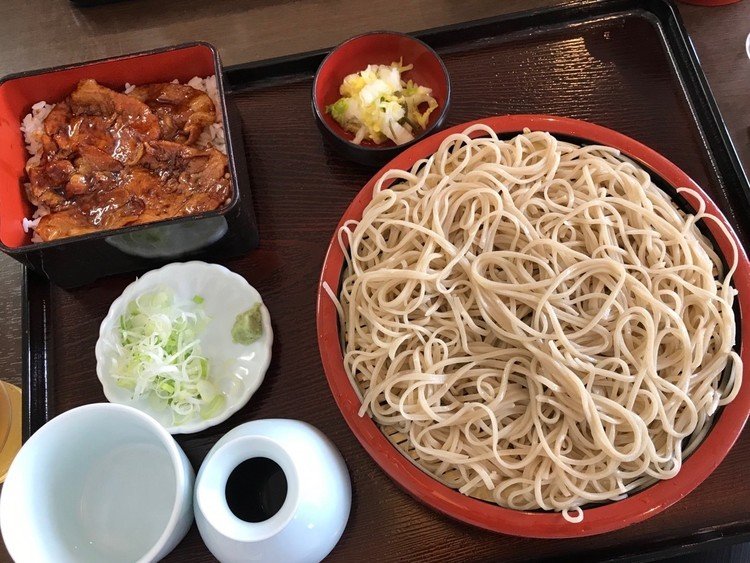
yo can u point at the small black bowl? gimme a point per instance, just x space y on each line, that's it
382 48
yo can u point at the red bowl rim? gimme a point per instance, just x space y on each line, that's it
441 111
427 489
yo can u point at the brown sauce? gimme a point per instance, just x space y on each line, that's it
110 160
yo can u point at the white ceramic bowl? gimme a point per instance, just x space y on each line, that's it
100 482
225 295
314 513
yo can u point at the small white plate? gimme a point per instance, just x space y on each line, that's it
225 295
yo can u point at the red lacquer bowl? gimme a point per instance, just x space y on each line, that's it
377 48
597 520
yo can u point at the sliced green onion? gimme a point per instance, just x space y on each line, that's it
159 358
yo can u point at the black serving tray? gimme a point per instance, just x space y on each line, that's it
625 64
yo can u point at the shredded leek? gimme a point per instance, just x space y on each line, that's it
158 356
377 104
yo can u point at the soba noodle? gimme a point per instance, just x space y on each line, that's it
538 320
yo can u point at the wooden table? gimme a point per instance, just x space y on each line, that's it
39 33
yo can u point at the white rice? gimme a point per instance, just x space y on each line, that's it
213 135
32 128
33 223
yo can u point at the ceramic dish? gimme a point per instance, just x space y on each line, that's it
99 482
317 494
382 48
598 519
225 295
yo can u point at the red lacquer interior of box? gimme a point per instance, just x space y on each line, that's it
17 95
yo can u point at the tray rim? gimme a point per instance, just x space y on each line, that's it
674 35
37 342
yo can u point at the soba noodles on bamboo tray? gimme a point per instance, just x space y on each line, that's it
544 324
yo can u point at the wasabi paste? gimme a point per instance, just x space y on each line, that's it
248 326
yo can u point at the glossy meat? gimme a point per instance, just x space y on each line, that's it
200 177
183 111
118 208
95 170
106 164
92 99
201 169
47 183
